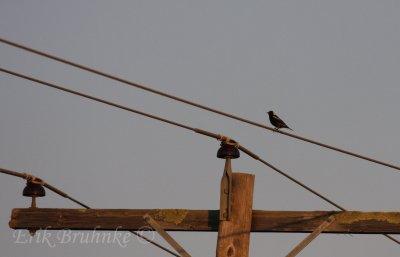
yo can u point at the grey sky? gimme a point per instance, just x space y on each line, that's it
331 69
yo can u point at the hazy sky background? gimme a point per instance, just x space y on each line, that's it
331 69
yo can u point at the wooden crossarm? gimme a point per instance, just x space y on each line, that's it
350 222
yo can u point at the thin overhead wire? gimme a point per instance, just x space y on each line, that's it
316 193
65 195
197 130
292 178
119 106
188 102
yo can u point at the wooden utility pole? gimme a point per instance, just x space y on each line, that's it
235 209
234 220
234 234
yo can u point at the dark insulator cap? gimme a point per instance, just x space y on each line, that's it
228 150
33 190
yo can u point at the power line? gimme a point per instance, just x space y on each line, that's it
200 131
45 184
183 100
63 194
296 181
326 199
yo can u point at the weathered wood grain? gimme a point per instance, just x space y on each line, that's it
234 234
204 220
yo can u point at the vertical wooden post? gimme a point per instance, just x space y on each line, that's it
234 234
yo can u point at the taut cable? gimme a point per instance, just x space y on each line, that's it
188 102
200 131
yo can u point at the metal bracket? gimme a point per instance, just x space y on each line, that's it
226 192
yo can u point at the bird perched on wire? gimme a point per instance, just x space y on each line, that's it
276 121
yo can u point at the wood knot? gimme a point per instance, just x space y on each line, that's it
231 251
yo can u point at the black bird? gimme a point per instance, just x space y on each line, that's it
276 121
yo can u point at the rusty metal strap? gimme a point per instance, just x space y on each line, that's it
225 208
